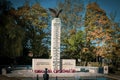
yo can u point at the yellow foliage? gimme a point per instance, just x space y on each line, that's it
85 49
95 7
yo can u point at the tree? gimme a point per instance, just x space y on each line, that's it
10 43
71 18
100 31
74 44
23 28
115 41
33 20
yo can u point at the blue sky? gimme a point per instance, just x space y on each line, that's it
110 5
107 5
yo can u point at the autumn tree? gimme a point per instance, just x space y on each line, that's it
100 31
115 41
24 28
34 21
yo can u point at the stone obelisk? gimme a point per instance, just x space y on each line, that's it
55 44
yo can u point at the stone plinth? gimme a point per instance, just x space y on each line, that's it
41 64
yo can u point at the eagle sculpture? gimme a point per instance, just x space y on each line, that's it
56 13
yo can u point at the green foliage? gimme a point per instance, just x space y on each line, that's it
10 37
74 44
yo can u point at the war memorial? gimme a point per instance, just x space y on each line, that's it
55 64
61 67
56 67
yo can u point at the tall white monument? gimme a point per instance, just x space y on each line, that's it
54 63
55 44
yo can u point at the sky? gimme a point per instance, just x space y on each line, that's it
107 5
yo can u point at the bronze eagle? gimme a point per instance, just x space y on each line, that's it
55 12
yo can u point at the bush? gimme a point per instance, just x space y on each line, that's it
111 69
24 60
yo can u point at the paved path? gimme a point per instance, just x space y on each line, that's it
117 77
29 75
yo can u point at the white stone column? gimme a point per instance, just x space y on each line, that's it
55 44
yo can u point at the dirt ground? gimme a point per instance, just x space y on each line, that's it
2 77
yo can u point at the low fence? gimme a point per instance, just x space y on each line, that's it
87 69
22 67
103 70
